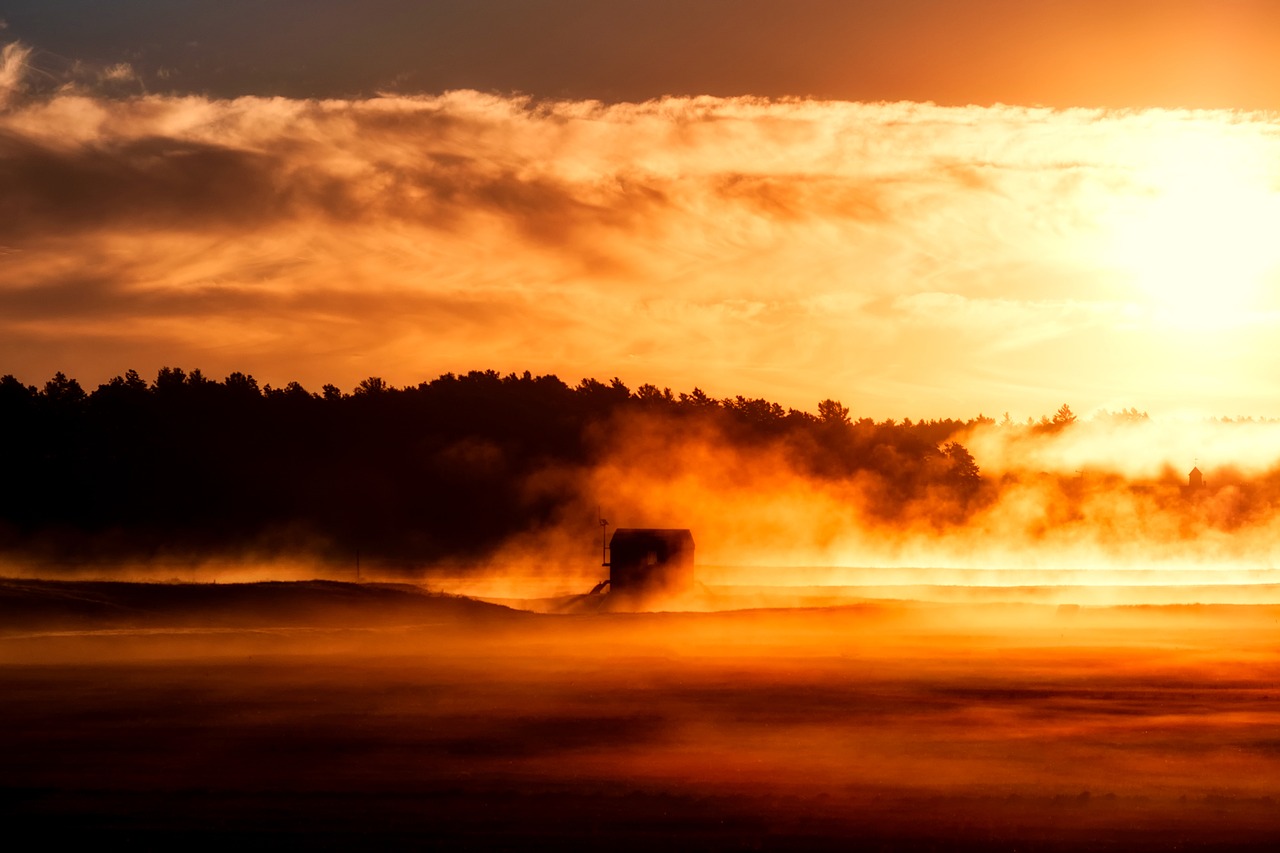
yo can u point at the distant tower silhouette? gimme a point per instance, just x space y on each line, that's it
1195 479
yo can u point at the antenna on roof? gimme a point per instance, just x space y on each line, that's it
604 547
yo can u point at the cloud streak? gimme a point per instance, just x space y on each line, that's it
912 259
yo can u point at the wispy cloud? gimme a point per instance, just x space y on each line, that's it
13 61
908 258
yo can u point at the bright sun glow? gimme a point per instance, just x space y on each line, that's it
1198 240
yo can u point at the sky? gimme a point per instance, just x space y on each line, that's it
920 208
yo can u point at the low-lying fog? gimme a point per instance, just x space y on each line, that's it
974 725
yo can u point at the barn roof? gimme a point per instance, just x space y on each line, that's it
680 536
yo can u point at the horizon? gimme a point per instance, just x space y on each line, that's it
1016 418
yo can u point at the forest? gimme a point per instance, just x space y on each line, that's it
186 465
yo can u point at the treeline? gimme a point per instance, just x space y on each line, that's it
188 464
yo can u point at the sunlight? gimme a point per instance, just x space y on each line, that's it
1197 240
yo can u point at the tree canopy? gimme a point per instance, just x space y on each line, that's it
432 471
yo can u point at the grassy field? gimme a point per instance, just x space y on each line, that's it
337 715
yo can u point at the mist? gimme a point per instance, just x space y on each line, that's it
1092 511
497 486
336 712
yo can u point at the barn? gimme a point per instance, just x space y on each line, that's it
645 560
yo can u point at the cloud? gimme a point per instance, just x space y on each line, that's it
13 63
908 258
120 71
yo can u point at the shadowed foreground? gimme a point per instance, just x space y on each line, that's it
336 715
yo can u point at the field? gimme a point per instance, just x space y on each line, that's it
340 715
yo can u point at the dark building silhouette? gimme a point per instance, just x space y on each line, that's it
1195 480
643 560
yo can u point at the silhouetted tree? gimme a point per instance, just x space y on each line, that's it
650 394
964 469
63 391
242 385
1124 416
372 385
170 380
13 391
130 382
759 414
439 469
831 412
698 399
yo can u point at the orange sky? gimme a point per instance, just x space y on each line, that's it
1064 53
906 258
